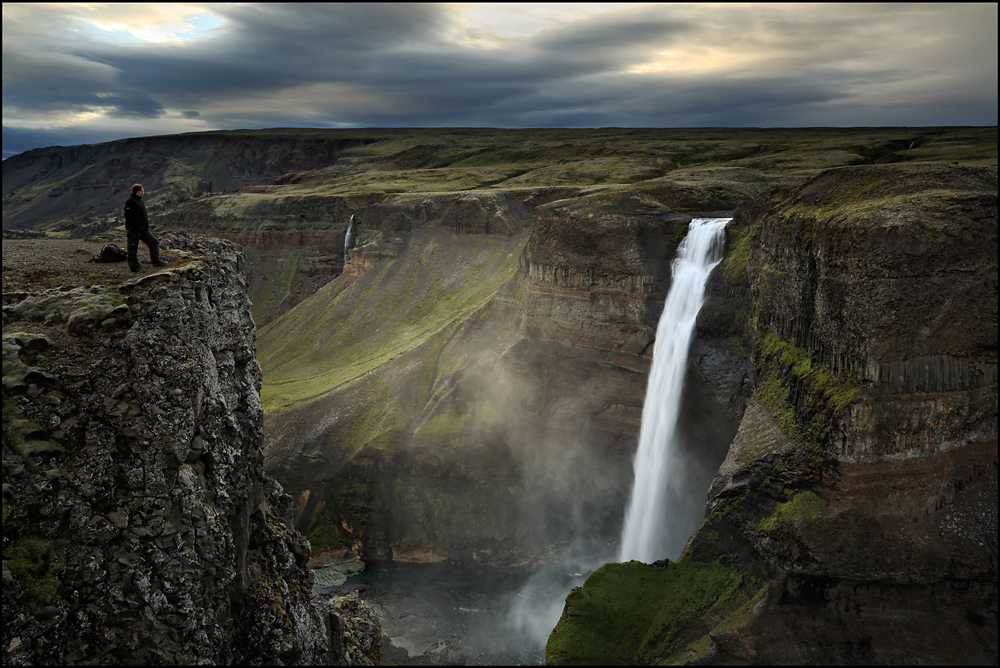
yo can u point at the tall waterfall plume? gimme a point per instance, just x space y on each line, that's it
649 534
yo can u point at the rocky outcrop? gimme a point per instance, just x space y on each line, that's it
355 633
855 513
138 523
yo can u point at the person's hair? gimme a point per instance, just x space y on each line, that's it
136 188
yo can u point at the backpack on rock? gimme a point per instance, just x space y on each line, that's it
110 253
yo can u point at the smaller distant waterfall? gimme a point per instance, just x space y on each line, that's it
648 534
349 237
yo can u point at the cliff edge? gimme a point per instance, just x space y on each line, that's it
138 523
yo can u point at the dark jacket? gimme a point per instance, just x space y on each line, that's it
135 215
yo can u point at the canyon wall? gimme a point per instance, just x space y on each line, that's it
854 518
207 183
473 381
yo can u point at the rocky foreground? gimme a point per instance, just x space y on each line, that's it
138 523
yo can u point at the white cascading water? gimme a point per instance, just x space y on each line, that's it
348 237
648 534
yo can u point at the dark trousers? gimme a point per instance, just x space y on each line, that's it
133 238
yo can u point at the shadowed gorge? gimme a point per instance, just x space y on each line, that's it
463 384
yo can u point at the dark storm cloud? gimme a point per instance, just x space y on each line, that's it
274 46
668 101
606 44
52 80
327 65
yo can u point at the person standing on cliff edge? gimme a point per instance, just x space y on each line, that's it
137 229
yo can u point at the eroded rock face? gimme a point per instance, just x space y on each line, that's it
892 293
508 434
139 525
355 633
859 496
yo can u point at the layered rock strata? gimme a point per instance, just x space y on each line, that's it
854 518
139 525
506 434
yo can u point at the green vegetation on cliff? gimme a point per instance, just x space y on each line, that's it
804 396
335 337
35 565
634 613
804 505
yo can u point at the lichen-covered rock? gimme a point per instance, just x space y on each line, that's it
139 526
78 307
355 633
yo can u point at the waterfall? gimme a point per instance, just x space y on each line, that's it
649 534
349 237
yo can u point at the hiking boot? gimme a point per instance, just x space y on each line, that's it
157 263
134 268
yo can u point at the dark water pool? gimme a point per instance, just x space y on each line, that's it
439 615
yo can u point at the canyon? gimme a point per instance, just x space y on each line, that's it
465 385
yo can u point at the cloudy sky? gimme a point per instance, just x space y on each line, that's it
85 73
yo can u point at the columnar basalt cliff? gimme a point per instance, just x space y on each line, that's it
854 519
138 523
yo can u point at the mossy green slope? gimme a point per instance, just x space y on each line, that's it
338 335
370 163
637 614
454 159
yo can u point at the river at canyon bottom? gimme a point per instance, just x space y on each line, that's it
434 614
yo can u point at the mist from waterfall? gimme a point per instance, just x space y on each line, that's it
648 533
453 616
536 606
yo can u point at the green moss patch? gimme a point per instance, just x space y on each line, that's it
805 397
805 506
635 613
737 255
33 448
34 564
14 369
56 305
